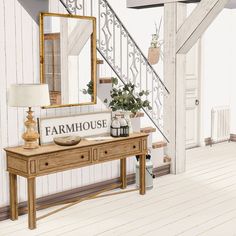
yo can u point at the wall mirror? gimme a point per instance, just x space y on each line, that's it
68 58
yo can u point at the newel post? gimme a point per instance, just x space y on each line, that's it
174 78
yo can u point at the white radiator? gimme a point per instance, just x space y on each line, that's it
220 124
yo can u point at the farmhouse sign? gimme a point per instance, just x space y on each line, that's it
88 124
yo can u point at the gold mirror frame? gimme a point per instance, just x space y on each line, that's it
93 56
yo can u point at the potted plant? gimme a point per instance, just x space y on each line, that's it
89 89
124 99
154 51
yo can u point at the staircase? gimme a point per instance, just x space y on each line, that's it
120 51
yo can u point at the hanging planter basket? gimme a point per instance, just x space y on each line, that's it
154 55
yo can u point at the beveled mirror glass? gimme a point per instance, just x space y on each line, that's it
68 58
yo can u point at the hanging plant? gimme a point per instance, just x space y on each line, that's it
154 51
123 98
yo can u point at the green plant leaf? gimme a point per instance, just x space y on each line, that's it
123 98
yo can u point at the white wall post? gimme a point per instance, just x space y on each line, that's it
174 75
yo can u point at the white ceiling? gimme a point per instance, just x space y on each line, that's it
143 3
231 4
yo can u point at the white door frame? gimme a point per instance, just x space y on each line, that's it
202 69
200 138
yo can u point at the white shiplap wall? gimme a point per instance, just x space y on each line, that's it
19 63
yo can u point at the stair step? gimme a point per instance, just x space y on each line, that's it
167 159
161 170
147 130
100 62
105 80
159 144
138 114
163 165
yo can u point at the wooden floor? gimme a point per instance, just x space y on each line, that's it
201 201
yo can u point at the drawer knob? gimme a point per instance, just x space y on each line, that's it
82 156
105 152
46 163
134 147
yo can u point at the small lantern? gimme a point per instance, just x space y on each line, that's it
115 132
124 131
124 127
115 127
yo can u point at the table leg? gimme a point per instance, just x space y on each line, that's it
123 173
31 203
13 196
142 167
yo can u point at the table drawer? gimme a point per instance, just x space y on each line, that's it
65 159
112 151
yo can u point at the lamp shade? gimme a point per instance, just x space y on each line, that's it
28 95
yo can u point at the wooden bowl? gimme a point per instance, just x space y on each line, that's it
67 140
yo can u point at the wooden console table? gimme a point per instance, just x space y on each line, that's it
52 158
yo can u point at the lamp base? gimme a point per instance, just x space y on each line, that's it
31 135
31 145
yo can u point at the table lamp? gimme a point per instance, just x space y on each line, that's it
29 95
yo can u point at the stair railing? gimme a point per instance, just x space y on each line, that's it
121 52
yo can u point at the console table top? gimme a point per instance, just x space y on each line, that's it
49 148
